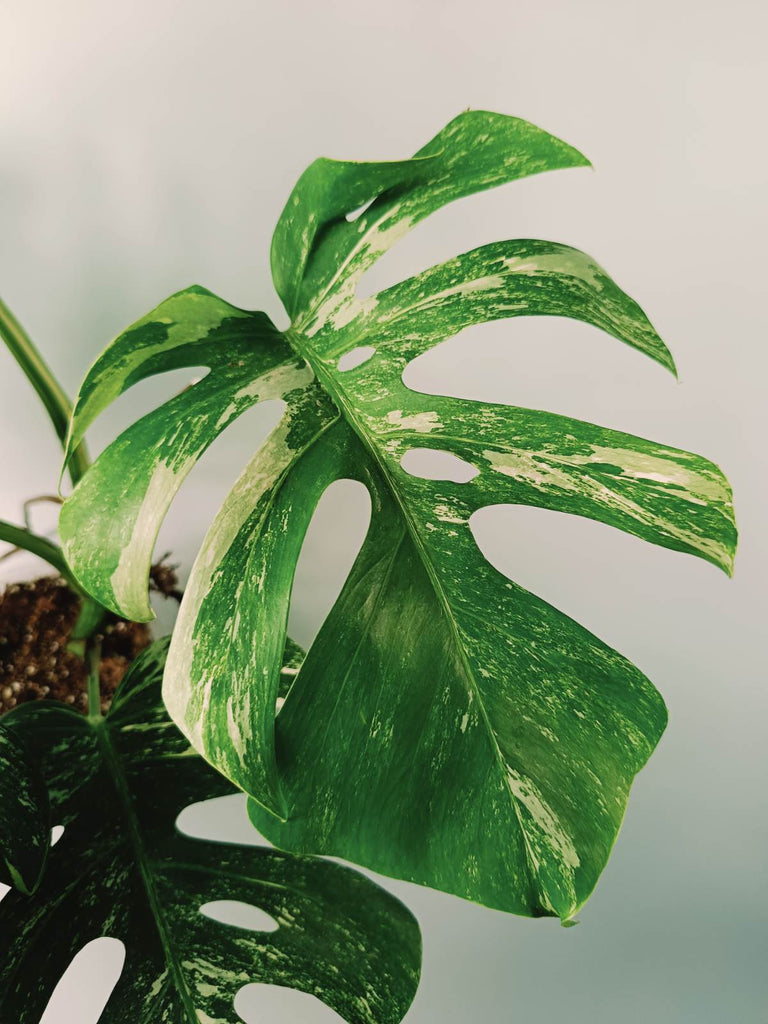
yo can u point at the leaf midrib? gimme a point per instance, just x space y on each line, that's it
297 340
114 766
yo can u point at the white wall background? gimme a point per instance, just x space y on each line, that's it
148 145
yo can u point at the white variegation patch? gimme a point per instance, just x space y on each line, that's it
419 423
548 827
570 263
128 579
670 474
675 470
264 470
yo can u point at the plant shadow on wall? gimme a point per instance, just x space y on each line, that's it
446 726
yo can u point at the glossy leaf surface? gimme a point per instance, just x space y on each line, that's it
121 869
447 726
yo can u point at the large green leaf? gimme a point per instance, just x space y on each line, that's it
122 869
446 726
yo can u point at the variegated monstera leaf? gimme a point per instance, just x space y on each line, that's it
122 869
447 726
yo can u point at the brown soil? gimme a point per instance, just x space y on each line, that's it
36 621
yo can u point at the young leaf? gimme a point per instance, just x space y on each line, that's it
446 727
121 869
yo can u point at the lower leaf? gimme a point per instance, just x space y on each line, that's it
121 869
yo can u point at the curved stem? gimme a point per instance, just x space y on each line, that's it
45 384
59 409
20 537
91 612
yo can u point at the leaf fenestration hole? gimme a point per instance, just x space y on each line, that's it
208 484
433 464
332 542
223 819
141 398
84 988
551 553
355 214
56 833
240 915
358 356
540 362
259 1003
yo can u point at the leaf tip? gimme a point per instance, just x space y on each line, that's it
19 882
580 159
136 611
258 804
728 563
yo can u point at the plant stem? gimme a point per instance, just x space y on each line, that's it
40 546
45 384
93 663
91 612
59 410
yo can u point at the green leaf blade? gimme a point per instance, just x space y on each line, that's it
660 494
523 277
325 193
446 726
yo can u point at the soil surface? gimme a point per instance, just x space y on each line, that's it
36 620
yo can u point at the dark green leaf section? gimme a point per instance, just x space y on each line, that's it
25 829
122 869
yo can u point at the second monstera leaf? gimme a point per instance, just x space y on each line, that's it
447 726
122 869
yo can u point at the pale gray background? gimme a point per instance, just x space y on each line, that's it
149 145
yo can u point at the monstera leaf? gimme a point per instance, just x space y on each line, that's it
121 869
446 726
